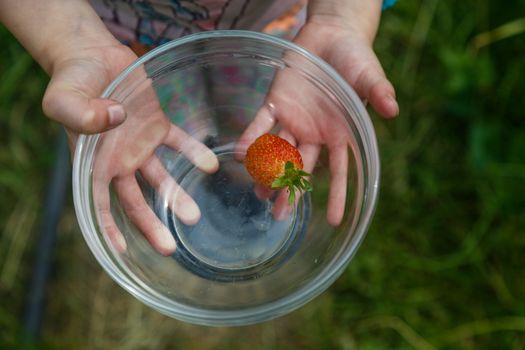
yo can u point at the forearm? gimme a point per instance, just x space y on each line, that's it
53 30
360 16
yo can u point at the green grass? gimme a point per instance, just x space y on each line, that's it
442 265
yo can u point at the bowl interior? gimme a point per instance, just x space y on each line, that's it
246 259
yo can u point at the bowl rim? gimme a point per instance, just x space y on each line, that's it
83 158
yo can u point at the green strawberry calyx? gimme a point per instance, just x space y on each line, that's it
293 179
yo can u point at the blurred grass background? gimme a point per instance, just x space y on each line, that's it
442 265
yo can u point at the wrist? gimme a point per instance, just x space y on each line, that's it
53 30
357 18
80 43
75 35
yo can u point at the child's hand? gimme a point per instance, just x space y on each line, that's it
72 44
77 81
128 150
309 121
123 151
342 32
354 59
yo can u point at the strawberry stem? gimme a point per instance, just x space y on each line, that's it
293 179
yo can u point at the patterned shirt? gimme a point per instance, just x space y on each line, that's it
155 22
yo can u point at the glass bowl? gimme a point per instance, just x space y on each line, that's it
168 209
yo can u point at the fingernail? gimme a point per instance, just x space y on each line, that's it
208 162
393 106
283 213
116 115
120 243
166 242
189 213
89 116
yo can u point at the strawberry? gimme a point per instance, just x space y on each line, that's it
275 163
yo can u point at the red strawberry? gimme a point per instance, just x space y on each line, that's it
274 163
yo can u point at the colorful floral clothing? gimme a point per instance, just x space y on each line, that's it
143 24
154 22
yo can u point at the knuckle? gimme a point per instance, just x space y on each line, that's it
50 103
89 123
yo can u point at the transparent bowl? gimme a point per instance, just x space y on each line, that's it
168 209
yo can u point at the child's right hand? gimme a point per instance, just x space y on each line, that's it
71 43
128 149
77 80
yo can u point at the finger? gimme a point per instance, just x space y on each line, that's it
310 154
263 122
105 217
285 134
338 160
262 192
282 209
142 216
180 203
79 112
191 148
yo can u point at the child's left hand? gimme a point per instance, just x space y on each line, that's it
344 39
310 122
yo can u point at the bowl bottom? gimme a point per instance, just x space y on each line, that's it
237 237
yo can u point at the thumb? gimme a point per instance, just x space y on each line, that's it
356 61
361 68
78 109
373 85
